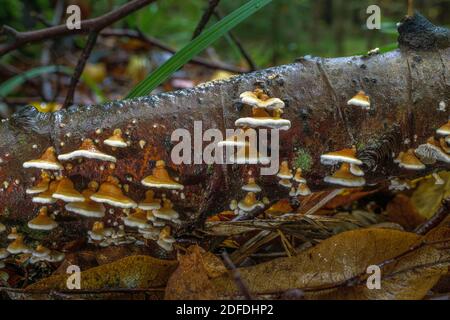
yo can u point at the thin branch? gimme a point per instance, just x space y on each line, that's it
239 45
80 67
410 8
87 26
136 34
435 220
212 4
236 276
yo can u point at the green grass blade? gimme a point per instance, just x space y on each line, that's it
195 47
11 84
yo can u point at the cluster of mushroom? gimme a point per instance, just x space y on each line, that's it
249 203
428 153
285 175
18 246
90 203
349 173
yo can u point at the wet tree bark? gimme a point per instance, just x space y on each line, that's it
405 86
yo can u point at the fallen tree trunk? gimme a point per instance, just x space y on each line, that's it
409 91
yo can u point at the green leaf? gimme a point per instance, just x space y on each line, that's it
9 85
194 47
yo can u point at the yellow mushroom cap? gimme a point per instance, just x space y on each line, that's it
303 190
138 219
344 177
444 130
360 100
46 197
87 150
344 155
18 246
150 202
284 172
41 251
87 208
47 161
251 186
160 178
285 183
280 207
13 234
67 192
2 227
116 140
259 99
249 203
165 240
111 194
42 221
3 253
41 186
99 232
166 212
409 161
444 145
298 176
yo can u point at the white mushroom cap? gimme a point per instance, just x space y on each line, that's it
251 98
444 130
87 150
47 161
251 186
137 219
344 155
303 190
285 183
356 170
116 140
344 177
360 100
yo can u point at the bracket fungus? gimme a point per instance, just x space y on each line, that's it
67 192
249 203
444 130
356 170
42 221
149 232
257 98
87 150
360 100
41 186
344 155
279 208
285 183
116 140
165 239
408 160
298 176
87 208
150 202
302 190
13 234
138 219
18 246
261 118
110 193
431 152
166 212
47 161
285 172
99 232
160 178
46 197
251 186
344 177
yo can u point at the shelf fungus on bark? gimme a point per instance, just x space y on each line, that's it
160 178
165 239
344 155
444 130
87 208
360 100
18 246
47 161
298 176
99 232
259 99
42 221
42 184
87 150
345 178
166 212
116 140
155 221
302 190
261 118
13 234
110 193
251 186
431 152
46 197
150 202
42 253
249 203
279 208
356 170
67 192
138 219
285 172
444 145
150 232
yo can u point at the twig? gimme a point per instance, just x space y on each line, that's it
87 26
212 4
410 8
80 67
239 45
81 291
438 217
136 34
236 276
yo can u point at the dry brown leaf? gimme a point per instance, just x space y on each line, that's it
191 281
402 211
342 257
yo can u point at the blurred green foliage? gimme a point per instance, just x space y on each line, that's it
279 33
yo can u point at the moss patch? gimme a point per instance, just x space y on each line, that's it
303 160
